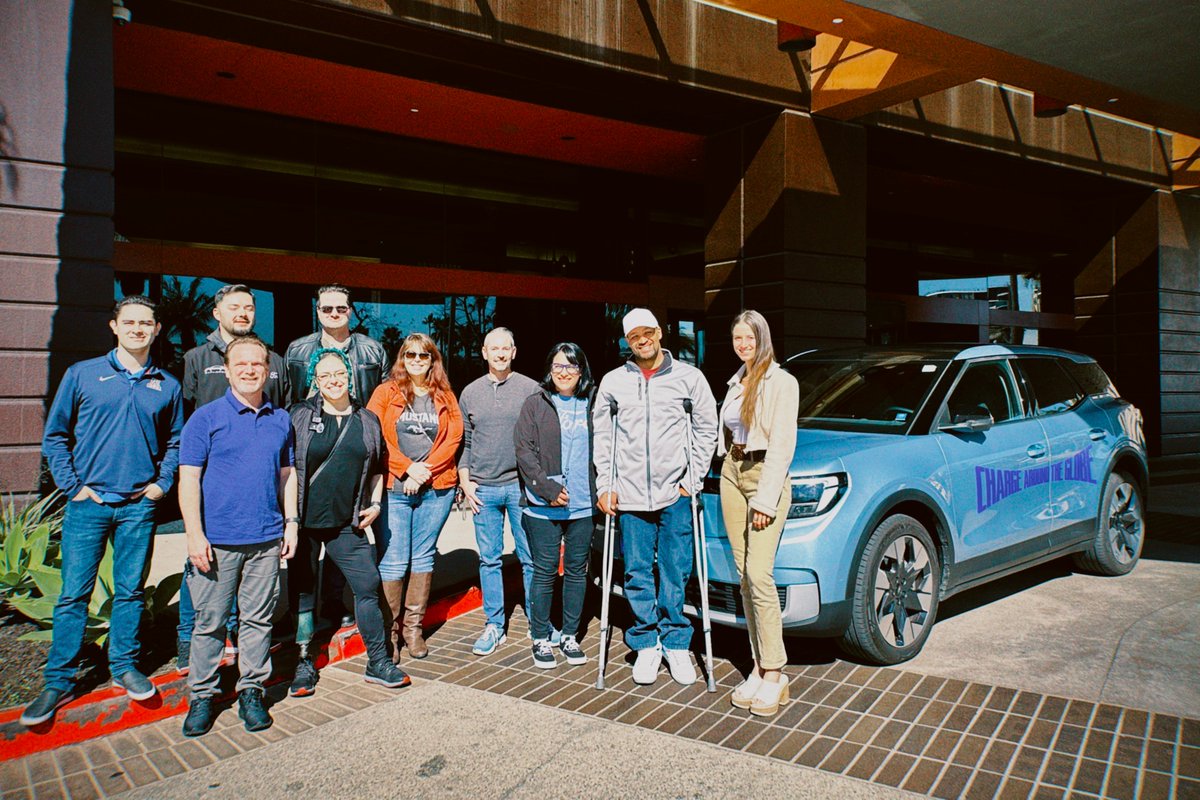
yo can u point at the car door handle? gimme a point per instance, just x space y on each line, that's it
1097 434
1036 451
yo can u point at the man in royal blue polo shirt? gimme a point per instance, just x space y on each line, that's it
112 440
237 492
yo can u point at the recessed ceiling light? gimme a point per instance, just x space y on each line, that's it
226 75
838 20
414 110
1113 99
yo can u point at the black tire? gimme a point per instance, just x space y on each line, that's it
889 624
1120 529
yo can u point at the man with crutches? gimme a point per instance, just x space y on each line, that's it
651 456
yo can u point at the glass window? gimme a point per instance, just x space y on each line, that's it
185 309
1052 387
1091 378
984 387
1017 292
872 394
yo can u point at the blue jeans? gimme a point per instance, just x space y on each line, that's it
414 522
489 536
187 610
85 532
667 535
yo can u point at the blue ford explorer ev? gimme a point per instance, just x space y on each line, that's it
923 471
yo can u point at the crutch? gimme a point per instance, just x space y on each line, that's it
606 567
701 553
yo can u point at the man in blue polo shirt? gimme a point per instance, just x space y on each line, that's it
236 461
112 440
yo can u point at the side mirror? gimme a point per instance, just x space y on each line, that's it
972 421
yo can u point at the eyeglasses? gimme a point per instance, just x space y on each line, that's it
340 375
331 309
411 356
565 369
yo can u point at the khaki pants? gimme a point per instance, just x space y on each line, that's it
754 555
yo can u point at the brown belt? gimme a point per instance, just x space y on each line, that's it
738 452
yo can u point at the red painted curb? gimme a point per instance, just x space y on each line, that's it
109 710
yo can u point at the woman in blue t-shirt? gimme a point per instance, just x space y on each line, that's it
553 438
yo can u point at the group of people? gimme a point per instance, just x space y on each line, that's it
328 456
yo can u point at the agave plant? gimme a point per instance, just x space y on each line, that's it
99 612
29 545
31 571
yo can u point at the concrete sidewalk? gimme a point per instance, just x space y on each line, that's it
446 741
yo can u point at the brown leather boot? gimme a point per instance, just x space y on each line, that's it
415 601
393 609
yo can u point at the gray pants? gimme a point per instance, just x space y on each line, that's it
251 572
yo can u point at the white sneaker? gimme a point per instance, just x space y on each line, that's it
679 662
645 669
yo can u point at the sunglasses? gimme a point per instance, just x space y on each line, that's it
331 309
411 356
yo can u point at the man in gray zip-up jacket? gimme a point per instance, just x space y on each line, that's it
647 404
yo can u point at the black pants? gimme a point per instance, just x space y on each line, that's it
349 549
545 536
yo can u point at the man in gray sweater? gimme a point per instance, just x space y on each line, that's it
487 474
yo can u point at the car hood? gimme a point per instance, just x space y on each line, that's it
821 450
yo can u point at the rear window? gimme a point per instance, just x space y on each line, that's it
878 395
1054 390
1091 378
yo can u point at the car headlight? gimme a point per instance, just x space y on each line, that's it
814 495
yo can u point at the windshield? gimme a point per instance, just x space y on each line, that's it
870 393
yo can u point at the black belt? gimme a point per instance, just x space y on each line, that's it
738 452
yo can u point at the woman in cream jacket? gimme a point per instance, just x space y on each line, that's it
758 435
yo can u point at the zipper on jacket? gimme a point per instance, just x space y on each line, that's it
649 481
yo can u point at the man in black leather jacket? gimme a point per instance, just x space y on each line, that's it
334 308
369 360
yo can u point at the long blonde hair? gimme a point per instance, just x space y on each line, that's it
756 370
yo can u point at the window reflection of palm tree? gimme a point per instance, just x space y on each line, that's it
186 317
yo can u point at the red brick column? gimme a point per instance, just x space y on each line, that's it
56 208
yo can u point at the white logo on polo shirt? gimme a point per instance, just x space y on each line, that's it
218 369
104 378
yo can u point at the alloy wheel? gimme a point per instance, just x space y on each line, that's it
903 594
1125 523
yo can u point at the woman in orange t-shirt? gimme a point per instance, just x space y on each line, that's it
423 427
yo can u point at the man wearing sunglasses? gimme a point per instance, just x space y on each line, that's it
368 358
334 309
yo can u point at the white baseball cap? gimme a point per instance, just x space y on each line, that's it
638 318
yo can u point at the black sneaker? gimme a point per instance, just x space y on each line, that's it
386 674
543 654
251 710
199 719
305 682
571 651
183 655
136 685
44 706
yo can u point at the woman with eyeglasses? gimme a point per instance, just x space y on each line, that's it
423 427
340 464
758 436
553 440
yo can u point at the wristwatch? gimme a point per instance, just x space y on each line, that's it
290 520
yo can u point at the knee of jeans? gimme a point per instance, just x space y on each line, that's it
423 563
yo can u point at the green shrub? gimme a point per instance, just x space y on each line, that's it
31 572
29 547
